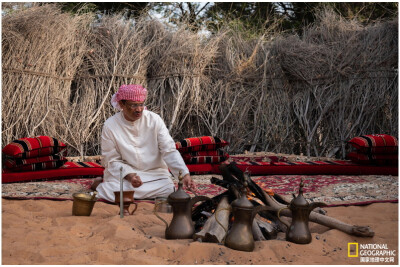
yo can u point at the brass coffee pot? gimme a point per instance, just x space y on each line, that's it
298 232
240 236
181 226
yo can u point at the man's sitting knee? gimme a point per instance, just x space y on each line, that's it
96 182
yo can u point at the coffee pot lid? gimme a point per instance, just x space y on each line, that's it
180 194
243 202
300 200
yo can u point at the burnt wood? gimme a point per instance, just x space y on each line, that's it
258 191
227 174
263 230
233 188
208 206
216 226
233 179
219 182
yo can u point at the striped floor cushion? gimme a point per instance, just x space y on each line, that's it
92 169
198 169
68 170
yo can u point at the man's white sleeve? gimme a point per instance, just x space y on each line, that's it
170 155
112 159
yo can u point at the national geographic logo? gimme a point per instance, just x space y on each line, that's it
373 253
352 250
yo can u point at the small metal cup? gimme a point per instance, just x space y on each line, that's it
83 204
161 205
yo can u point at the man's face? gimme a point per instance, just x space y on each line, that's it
132 110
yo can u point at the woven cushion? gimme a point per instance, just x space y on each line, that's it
69 170
375 143
204 143
31 147
212 156
376 159
35 164
198 169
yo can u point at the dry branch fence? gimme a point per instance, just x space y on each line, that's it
282 93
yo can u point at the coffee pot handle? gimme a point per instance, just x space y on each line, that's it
155 211
279 218
216 219
131 213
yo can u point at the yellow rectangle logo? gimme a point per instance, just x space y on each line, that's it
352 249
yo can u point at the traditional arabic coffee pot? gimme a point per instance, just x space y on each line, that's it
298 232
181 226
240 236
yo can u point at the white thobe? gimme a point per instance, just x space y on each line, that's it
144 147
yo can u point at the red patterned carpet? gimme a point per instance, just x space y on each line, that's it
332 189
288 184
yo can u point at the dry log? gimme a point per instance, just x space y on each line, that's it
208 205
199 216
277 202
363 231
227 174
216 227
244 176
233 188
263 230
257 234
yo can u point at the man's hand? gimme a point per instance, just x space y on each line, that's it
188 182
134 179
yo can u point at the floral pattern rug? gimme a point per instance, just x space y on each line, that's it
331 189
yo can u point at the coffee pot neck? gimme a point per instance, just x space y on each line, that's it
243 201
180 194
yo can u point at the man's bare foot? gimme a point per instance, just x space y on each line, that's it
96 182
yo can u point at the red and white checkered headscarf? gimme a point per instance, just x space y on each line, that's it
133 92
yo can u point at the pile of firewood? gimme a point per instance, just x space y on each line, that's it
212 226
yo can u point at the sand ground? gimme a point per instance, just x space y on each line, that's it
45 232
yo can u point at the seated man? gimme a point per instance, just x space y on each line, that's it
138 141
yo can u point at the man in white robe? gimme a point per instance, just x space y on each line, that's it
138 141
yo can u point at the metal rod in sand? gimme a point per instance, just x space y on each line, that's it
121 197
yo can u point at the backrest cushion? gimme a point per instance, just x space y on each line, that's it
212 156
31 147
204 143
35 164
375 143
